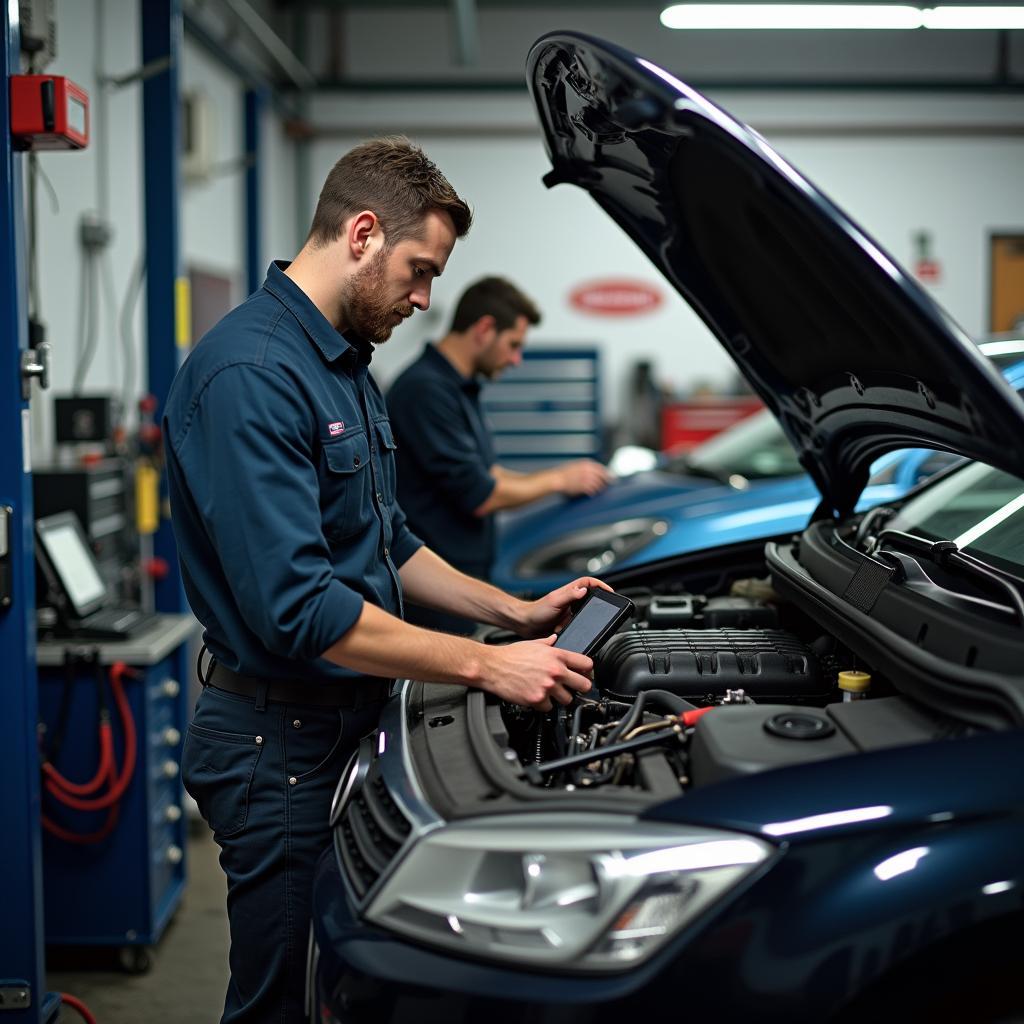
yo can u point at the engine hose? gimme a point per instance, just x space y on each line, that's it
629 720
79 1007
119 781
669 702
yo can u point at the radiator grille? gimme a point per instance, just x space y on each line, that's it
370 832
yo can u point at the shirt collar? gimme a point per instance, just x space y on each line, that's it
332 344
469 385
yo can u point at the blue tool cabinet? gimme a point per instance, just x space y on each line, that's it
123 890
548 409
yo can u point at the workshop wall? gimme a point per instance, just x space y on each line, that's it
212 215
858 149
75 180
899 162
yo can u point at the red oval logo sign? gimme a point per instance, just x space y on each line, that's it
616 297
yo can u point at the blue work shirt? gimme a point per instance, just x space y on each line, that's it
281 473
445 454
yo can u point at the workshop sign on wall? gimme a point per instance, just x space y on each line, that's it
616 297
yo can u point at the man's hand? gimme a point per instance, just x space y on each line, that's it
583 476
533 673
551 612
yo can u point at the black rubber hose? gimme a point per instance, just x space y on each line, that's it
630 719
670 702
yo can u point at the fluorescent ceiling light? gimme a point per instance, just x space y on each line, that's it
973 17
840 16
791 16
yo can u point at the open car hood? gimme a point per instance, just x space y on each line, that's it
847 350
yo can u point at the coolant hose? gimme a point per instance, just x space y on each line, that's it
669 702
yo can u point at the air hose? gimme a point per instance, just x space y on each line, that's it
78 795
78 1006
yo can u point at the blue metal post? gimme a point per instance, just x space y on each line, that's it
21 876
167 329
255 103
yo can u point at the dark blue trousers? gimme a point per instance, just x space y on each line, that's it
263 777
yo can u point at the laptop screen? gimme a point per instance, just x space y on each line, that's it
72 562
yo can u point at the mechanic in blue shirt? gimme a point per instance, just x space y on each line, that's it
295 555
449 481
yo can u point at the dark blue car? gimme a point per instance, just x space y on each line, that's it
796 792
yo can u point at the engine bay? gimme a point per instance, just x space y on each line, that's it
737 661
697 689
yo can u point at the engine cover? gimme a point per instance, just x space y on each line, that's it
749 739
770 664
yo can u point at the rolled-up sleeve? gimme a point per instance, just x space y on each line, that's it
254 483
436 434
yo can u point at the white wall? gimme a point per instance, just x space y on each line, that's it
75 181
959 189
282 237
212 214
213 210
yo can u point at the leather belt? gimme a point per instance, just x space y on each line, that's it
341 694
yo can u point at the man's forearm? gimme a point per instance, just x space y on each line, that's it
530 672
427 579
381 645
513 489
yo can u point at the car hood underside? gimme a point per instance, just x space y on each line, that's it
845 348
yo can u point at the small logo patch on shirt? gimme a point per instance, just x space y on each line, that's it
336 428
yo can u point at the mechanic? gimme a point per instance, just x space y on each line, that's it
295 554
449 482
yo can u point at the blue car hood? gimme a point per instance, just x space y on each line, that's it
650 494
845 348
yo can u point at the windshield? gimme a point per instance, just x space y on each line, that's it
1004 352
755 448
979 508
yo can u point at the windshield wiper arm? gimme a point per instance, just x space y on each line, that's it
946 554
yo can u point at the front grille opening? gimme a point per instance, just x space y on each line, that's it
370 833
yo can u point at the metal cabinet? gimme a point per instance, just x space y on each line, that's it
547 409
123 889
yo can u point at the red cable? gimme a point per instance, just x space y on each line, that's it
84 838
77 1004
690 717
85 788
119 783
87 838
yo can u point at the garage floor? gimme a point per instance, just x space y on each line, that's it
188 977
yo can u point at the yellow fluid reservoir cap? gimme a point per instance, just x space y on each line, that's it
855 682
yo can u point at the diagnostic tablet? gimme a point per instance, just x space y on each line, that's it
597 618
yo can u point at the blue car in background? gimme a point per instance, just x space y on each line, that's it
796 791
744 484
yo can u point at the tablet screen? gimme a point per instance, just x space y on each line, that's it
588 622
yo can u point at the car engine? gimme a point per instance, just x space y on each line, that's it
698 689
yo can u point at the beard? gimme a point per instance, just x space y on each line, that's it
369 311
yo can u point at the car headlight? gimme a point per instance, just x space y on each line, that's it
592 549
583 892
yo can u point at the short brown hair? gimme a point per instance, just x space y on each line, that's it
493 296
393 178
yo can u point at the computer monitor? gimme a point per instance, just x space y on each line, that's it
69 564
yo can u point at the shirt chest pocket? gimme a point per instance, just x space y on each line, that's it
346 486
386 439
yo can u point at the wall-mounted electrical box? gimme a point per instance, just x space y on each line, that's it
48 112
198 138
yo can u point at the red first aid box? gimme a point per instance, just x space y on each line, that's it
48 112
